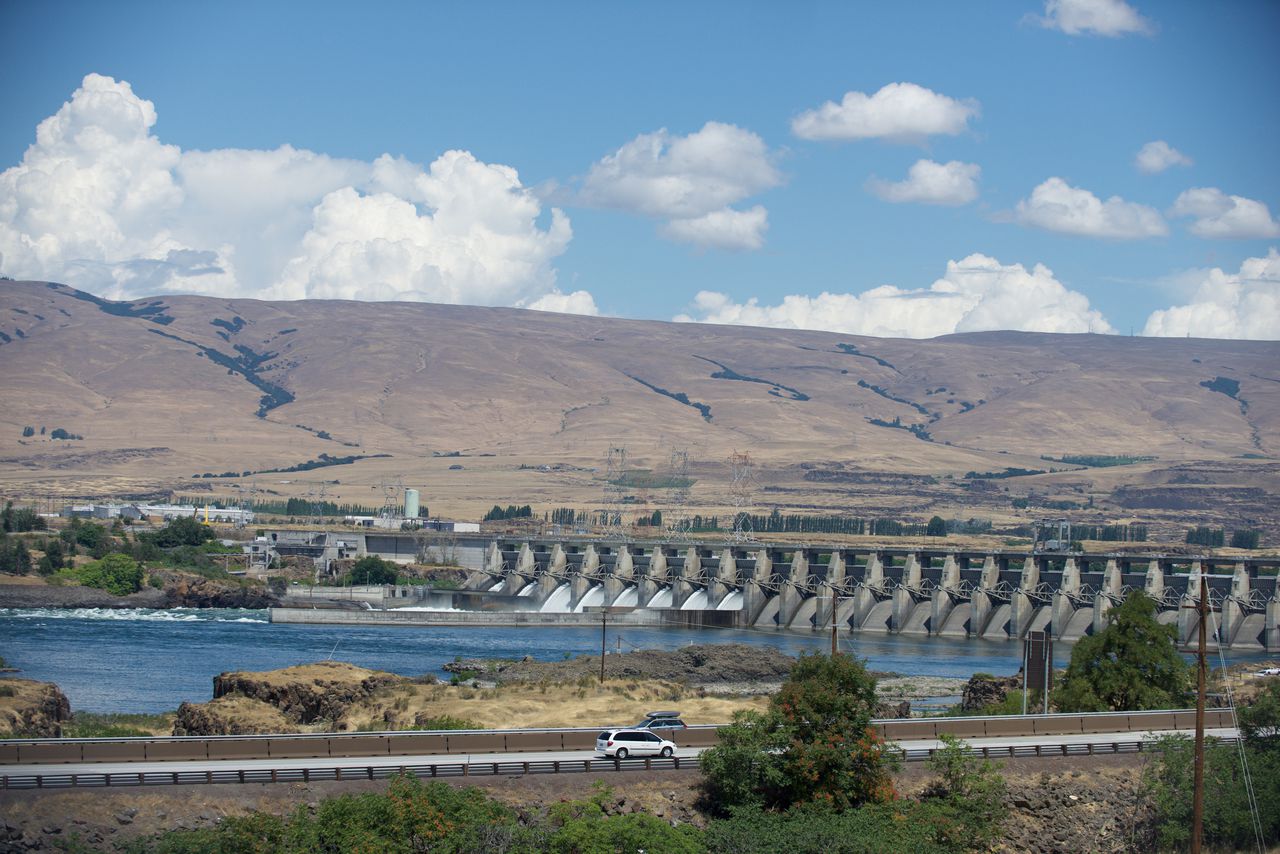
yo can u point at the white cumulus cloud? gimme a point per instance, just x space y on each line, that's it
101 203
691 182
578 302
902 112
726 228
977 293
931 183
1099 17
1057 206
1228 305
1219 215
1158 156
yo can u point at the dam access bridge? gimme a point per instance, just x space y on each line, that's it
905 590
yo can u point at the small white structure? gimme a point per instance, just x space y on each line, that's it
411 504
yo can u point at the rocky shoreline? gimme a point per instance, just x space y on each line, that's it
179 591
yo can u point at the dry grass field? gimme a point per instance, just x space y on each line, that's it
477 406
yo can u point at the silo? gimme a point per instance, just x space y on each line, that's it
411 504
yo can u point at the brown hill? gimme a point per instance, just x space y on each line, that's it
170 387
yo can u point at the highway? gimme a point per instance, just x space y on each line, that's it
55 775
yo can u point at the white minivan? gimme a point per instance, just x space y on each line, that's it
621 743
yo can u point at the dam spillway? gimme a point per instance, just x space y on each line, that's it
936 591
899 590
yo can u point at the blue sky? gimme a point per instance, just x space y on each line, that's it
752 210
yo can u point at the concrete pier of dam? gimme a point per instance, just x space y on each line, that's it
915 591
930 591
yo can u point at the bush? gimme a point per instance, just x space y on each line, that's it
929 827
971 789
116 573
95 725
582 826
445 722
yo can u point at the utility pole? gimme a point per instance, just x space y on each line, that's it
604 627
835 609
1197 808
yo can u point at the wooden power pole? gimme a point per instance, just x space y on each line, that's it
1197 808
835 609
604 629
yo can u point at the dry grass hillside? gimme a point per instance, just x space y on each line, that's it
170 387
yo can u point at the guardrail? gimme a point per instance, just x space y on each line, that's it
418 743
343 772
508 767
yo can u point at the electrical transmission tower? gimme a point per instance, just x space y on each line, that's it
392 492
615 489
742 486
248 498
678 522
314 498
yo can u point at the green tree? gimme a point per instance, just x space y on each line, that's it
183 531
1130 665
14 556
370 569
1260 720
815 744
53 559
937 527
1247 539
18 520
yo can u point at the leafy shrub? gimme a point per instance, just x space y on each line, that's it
96 725
929 827
446 722
116 573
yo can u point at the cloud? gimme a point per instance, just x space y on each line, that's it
1221 216
723 229
690 181
1228 305
101 203
1158 156
1057 206
931 183
578 302
479 244
902 112
1100 17
977 293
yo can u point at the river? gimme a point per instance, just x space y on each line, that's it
144 660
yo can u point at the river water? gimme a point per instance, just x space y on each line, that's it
144 660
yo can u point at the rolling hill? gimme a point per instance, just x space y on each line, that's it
528 404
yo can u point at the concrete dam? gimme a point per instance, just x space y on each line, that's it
913 591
